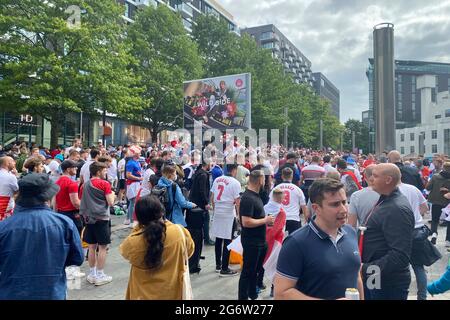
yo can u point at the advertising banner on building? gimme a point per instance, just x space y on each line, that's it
218 103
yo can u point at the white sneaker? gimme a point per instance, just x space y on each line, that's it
102 279
91 279
447 244
126 222
135 223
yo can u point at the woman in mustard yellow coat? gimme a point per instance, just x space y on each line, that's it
156 252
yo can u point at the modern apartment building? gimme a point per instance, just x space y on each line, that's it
293 60
189 9
327 90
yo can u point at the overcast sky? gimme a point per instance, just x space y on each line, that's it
336 35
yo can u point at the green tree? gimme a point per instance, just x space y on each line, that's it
225 53
166 56
216 44
361 135
50 66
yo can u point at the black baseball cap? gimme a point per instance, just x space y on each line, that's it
68 164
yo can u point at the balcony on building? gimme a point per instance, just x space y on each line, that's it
269 36
145 3
271 45
187 25
184 8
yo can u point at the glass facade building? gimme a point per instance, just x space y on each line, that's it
407 97
326 89
33 128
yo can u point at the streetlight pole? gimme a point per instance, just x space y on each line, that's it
286 127
104 125
353 140
321 134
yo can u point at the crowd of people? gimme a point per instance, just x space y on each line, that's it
311 223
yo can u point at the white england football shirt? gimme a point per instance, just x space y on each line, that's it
226 190
293 199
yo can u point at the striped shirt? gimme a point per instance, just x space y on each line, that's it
313 172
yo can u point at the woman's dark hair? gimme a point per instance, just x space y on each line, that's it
149 212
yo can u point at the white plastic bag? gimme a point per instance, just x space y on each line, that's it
236 246
446 214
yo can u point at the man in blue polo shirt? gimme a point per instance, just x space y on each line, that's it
321 260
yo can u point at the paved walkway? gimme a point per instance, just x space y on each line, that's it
207 285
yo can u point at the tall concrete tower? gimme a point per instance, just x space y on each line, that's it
384 95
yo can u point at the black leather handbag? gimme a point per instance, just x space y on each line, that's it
423 251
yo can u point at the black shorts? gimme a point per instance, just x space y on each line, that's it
98 233
121 185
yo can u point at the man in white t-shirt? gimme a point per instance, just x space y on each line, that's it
85 174
225 199
419 206
76 146
294 199
8 186
112 170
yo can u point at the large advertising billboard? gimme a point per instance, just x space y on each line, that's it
218 103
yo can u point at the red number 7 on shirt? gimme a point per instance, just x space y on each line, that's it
221 189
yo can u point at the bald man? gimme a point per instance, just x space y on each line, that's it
8 186
387 242
410 175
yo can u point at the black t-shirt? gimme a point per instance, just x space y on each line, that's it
252 206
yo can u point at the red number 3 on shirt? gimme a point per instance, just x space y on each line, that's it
221 189
287 198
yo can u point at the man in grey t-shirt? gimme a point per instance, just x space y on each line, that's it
362 201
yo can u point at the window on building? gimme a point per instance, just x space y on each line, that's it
127 10
437 116
266 35
411 136
434 148
447 113
434 134
402 150
268 45
402 137
447 141
412 149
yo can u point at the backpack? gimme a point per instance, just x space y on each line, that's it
162 193
350 186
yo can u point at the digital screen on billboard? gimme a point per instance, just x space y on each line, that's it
218 103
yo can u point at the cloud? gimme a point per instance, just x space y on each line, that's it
336 35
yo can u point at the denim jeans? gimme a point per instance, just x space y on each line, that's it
130 208
421 279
